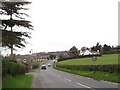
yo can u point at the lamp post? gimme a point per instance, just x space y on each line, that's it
30 60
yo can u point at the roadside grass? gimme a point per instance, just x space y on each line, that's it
32 70
19 81
104 59
97 75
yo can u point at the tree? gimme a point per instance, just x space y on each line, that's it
51 57
106 49
97 47
73 52
84 48
11 38
73 49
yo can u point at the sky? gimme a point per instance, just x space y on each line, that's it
61 24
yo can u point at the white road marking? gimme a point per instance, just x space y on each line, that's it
83 85
67 79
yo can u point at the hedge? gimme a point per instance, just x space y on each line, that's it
12 68
105 68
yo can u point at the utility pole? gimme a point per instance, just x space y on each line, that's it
30 60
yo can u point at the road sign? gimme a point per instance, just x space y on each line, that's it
94 58
24 60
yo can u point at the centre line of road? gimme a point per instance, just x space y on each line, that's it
67 79
83 85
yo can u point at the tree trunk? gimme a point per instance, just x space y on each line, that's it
11 43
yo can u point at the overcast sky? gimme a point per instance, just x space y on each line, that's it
61 24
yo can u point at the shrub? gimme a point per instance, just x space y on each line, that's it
12 68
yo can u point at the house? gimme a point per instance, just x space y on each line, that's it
88 52
85 52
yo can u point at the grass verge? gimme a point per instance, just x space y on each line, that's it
112 77
32 70
19 81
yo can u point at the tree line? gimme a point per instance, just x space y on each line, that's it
103 49
106 49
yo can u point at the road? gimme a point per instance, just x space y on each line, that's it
52 78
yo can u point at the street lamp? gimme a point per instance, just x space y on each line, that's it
30 60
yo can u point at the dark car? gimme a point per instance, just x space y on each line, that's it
43 67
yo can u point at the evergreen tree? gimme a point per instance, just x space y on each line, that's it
73 52
14 38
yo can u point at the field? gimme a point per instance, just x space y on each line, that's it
104 59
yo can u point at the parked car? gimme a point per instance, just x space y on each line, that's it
43 67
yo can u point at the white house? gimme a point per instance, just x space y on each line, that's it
86 52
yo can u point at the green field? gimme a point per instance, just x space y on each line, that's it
104 59
19 81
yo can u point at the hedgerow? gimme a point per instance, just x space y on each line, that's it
105 68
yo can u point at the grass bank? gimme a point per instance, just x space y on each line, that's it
104 59
97 75
19 81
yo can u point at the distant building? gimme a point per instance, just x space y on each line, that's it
88 52
85 52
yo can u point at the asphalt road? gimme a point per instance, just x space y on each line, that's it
52 78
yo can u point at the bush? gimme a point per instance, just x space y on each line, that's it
104 68
12 68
